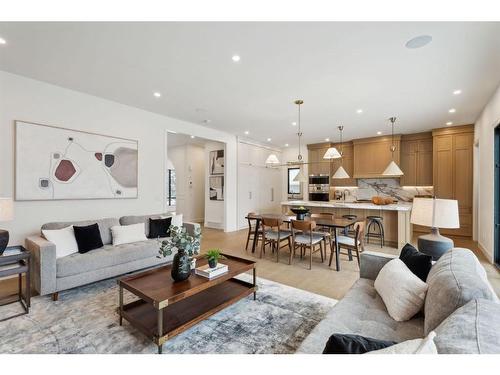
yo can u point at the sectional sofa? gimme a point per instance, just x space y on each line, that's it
52 275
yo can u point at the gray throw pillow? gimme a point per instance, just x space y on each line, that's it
472 329
455 279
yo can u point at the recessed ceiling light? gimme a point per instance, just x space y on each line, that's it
457 92
236 58
449 123
192 137
327 139
379 132
157 94
286 144
207 121
359 111
269 139
3 41
294 123
247 132
452 110
418 42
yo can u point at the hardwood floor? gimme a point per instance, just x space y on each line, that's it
321 279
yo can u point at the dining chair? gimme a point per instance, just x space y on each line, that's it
304 237
254 232
274 235
352 244
326 231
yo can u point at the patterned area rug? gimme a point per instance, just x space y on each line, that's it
84 320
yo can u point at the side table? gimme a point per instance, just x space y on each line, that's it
15 261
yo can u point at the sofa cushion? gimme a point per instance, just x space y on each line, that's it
473 328
104 226
418 263
353 344
361 312
88 237
106 256
136 219
455 279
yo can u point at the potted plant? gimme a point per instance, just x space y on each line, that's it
186 247
213 256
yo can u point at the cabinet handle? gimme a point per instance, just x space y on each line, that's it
249 195
272 194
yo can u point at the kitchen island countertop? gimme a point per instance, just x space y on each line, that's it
400 206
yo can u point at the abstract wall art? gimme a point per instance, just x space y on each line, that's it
216 188
217 162
56 163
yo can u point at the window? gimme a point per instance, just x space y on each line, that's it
293 186
171 187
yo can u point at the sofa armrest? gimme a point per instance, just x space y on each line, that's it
190 227
43 264
371 262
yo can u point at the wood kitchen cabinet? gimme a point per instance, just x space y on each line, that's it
372 155
453 171
318 165
416 159
348 164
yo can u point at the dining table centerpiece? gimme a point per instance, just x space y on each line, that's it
185 246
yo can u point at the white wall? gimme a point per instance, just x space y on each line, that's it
189 164
34 101
484 184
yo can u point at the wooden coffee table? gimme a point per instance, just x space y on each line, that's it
166 308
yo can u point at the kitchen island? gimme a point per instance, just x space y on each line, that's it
395 217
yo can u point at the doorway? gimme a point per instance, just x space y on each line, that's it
497 197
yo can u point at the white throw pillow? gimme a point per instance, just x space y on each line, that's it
417 346
64 239
402 292
128 233
177 220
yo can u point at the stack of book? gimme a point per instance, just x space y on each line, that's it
210 273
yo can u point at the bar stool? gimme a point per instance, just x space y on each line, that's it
374 223
348 231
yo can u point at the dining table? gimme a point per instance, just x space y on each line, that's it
334 224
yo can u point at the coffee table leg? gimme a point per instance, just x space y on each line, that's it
254 283
160 330
121 304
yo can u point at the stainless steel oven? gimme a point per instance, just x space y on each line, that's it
319 188
319 179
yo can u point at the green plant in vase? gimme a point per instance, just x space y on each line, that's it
185 245
213 256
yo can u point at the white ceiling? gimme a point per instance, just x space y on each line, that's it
335 68
176 139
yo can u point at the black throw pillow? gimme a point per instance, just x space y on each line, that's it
418 263
88 238
353 344
159 227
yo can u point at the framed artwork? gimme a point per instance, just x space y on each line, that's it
55 163
216 188
217 162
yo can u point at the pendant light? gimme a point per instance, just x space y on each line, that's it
393 169
341 173
332 153
272 160
300 177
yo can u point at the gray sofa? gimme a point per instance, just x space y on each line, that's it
51 275
460 306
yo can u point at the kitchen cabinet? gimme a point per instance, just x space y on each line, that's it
347 162
453 171
416 159
373 155
318 165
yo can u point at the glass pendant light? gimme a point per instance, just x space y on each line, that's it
393 169
341 172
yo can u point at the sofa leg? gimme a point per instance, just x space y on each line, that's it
55 296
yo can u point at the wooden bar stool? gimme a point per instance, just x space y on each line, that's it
273 235
304 237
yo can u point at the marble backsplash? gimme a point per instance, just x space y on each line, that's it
385 187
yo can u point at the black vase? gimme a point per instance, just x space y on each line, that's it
212 263
181 266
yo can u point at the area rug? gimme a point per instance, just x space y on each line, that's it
84 320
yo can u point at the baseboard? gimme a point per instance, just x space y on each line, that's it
485 253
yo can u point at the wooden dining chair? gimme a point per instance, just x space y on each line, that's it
352 244
254 232
304 237
274 235
325 231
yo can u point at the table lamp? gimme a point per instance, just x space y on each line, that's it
435 213
6 214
